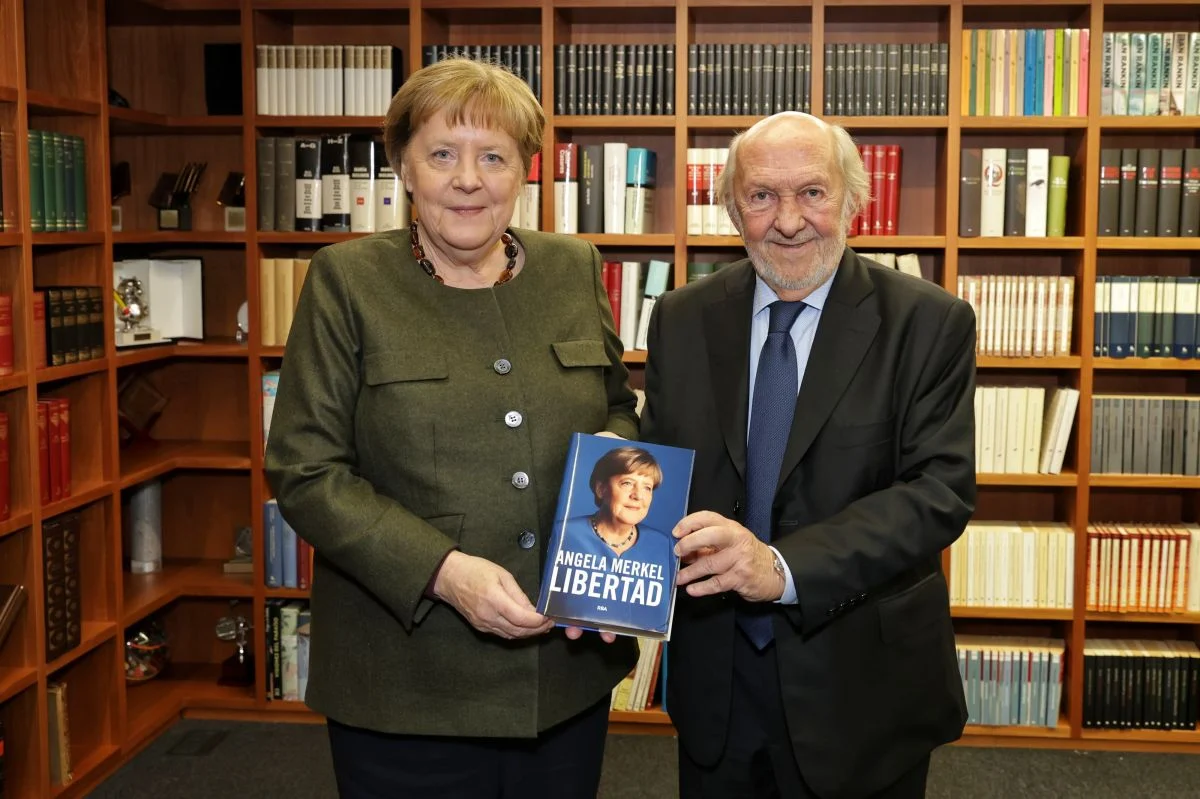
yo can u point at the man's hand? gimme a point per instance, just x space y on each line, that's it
728 555
488 597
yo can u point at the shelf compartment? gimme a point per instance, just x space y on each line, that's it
81 494
54 105
145 460
216 347
92 635
179 577
53 373
95 760
135 121
154 703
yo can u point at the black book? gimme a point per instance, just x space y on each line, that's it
1127 208
1110 192
1014 192
335 182
1189 205
1146 215
1170 186
308 183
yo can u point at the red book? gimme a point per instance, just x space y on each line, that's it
303 563
64 445
878 187
891 217
6 334
39 330
612 286
5 472
43 420
867 214
54 449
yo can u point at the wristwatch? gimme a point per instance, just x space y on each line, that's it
779 569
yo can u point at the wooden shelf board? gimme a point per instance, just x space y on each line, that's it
305 239
1056 362
92 761
1064 479
1143 481
1152 124
615 121
896 242
1150 364
634 356
81 494
179 237
135 121
1061 730
629 240
18 521
216 347
8 94
288 593
264 121
47 103
654 715
451 5
1144 736
79 238
143 461
155 701
1024 614
91 636
14 680
1022 123
11 239
179 577
891 123
1150 243
1021 243
1144 618
271 352
15 380
52 373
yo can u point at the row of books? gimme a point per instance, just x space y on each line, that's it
592 79
54 449
61 584
1149 192
1011 680
288 624
1012 192
1020 316
523 60
910 79
333 182
1145 434
633 288
326 80
706 216
604 188
1150 74
1030 72
742 79
1023 429
1013 565
280 281
288 557
527 212
639 689
1134 568
881 216
907 262
8 182
1140 684
73 328
1146 316
58 193
697 270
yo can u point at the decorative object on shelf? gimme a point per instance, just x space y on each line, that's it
146 651
145 528
242 561
132 311
121 187
138 405
242 334
173 196
174 288
232 198
238 668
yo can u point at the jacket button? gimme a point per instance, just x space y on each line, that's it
513 418
502 366
526 540
520 480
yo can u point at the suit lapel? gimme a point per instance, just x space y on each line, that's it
727 334
843 336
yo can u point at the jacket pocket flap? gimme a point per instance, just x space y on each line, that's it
860 435
914 608
394 367
584 352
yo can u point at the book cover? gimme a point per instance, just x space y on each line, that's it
611 563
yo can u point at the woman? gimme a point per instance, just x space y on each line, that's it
432 381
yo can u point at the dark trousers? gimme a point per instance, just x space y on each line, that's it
563 761
758 762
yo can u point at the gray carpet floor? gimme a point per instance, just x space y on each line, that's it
292 760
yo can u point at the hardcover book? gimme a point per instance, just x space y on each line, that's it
611 564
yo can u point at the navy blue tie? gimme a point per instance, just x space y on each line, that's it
771 412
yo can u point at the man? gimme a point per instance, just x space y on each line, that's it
812 651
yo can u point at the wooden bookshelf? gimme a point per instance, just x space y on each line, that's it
60 58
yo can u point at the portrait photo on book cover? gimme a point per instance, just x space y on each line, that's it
611 563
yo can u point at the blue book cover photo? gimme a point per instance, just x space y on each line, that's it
611 563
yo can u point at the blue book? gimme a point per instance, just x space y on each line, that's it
611 562
273 544
288 552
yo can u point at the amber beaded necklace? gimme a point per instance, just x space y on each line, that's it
510 249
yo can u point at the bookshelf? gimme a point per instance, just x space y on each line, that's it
60 58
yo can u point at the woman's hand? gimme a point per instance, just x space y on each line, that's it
574 634
488 597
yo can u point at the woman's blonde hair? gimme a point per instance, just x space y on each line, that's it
623 460
468 92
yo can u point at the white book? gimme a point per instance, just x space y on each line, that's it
290 79
1063 431
303 80
1037 172
1177 70
1137 74
991 208
362 204
1106 75
347 65
1000 448
712 213
278 94
531 206
694 191
566 206
1191 99
317 65
1066 312
360 80
657 275
1120 74
1014 435
385 80
724 220
1035 402
631 296
333 79
1051 419
391 203
909 264
615 155
262 79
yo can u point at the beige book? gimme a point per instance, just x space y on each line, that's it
299 272
60 733
266 301
283 300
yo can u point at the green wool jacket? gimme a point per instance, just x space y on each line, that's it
413 418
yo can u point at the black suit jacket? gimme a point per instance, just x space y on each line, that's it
878 478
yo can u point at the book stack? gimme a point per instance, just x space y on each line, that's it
58 198
1012 192
751 79
1150 73
1013 565
326 80
1031 72
1143 568
1145 434
636 79
886 79
1149 192
604 188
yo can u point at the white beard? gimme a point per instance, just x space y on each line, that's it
828 255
